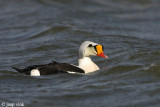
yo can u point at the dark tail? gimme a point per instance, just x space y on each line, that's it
17 69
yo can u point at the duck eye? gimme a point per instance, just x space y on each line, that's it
90 45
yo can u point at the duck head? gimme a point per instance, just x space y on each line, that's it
89 48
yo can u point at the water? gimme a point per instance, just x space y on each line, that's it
38 31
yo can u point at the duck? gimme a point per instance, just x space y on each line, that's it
85 63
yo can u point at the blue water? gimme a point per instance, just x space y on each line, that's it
39 31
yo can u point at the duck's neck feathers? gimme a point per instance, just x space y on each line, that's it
87 65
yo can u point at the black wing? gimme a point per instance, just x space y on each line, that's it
47 70
51 68
68 67
28 69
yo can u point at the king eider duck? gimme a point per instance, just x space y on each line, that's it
86 65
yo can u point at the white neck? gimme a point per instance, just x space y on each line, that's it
87 65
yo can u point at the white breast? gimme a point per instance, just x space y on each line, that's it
87 65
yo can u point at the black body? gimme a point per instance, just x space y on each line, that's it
51 68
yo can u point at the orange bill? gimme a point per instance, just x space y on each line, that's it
100 52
